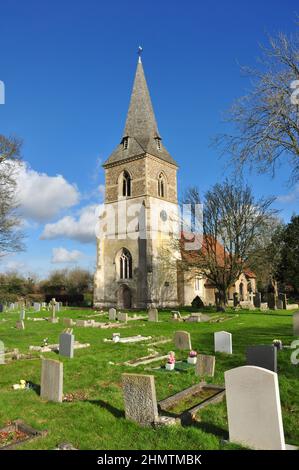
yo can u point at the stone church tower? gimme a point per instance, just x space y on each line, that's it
140 201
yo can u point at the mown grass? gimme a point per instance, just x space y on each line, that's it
96 419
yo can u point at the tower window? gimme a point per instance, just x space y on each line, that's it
126 143
158 144
125 264
197 284
126 186
161 186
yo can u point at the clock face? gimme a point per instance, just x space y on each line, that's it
163 215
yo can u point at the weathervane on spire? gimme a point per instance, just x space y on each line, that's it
140 50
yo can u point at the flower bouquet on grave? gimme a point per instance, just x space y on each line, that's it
192 358
170 364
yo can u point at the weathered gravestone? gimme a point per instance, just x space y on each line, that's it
68 322
20 325
182 340
205 365
123 317
112 314
253 408
140 398
36 306
223 342
296 324
257 299
66 345
81 323
52 380
53 305
264 356
153 314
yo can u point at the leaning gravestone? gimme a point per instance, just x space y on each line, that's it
205 365
296 324
264 356
112 314
152 314
66 345
123 317
140 398
182 340
223 342
253 408
52 380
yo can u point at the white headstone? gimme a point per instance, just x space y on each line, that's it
223 342
112 314
296 323
253 408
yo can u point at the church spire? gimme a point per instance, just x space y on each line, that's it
141 133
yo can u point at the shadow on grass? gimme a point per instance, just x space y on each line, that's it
210 428
34 387
114 411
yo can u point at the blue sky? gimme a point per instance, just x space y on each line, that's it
68 68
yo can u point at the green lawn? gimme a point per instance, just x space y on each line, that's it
95 420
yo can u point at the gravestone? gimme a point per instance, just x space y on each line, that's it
123 317
182 340
264 356
1 308
81 323
283 300
140 398
257 299
36 306
20 325
2 353
253 408
68 322
153 314
205 365
264 306
22 315
112 314
296 324
52 380
66 345
272 301
223 342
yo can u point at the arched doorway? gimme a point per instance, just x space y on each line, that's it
124 297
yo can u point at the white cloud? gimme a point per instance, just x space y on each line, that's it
81 228
42 197
62 255
290 197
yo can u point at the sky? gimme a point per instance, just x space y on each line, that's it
68 69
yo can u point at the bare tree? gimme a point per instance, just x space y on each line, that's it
10 234
266 120
232 220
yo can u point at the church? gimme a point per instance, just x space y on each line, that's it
138 265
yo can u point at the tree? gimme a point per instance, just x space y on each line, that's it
266 120
265 253
10 234
232 220
288 268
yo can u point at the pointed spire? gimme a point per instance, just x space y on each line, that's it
141 130
141 121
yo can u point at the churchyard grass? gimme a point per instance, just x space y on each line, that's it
94 419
